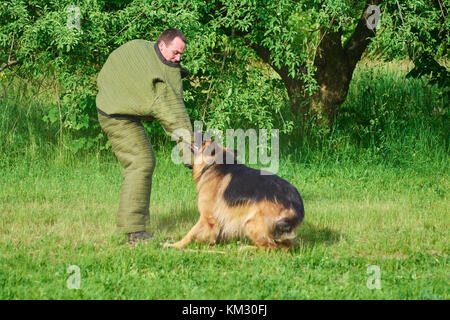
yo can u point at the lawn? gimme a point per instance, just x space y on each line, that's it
370 232
375 190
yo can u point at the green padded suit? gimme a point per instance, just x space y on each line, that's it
137 83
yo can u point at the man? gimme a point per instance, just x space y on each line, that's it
141 80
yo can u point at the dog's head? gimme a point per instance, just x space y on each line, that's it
211 154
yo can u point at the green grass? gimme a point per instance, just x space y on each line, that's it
376 193
55 214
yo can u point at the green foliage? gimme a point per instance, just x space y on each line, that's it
426 65
397 119
387 119
228 86
41 41
246 95
418 29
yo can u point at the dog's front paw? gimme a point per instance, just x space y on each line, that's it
247 247
167 244
172 245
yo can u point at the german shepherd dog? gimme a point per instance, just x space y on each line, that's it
235 200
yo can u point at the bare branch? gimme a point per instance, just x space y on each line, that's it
7 65
10 62
11 49
360 38
442 10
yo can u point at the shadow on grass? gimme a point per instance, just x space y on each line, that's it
308 234
171 221
311 235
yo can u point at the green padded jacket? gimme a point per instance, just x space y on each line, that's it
137 81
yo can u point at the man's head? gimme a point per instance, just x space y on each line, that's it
172 43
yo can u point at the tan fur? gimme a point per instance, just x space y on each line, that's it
220 221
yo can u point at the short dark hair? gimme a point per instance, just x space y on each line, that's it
170 34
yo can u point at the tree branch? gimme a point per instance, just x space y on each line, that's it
360 38
7 65
10 62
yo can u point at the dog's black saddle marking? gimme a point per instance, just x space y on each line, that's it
247 184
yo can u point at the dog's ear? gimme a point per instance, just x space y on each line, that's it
189 166
207 142
230 156
193 148
215 145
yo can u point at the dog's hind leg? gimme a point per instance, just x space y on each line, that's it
209 231
254 228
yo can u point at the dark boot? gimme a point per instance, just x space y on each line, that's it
134 237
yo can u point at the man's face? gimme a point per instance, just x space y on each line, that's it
172 51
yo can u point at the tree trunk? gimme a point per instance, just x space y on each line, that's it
294 86
333 75
335 64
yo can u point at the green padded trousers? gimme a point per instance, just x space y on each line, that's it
132 147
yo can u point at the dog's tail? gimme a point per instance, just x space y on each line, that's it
287 224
